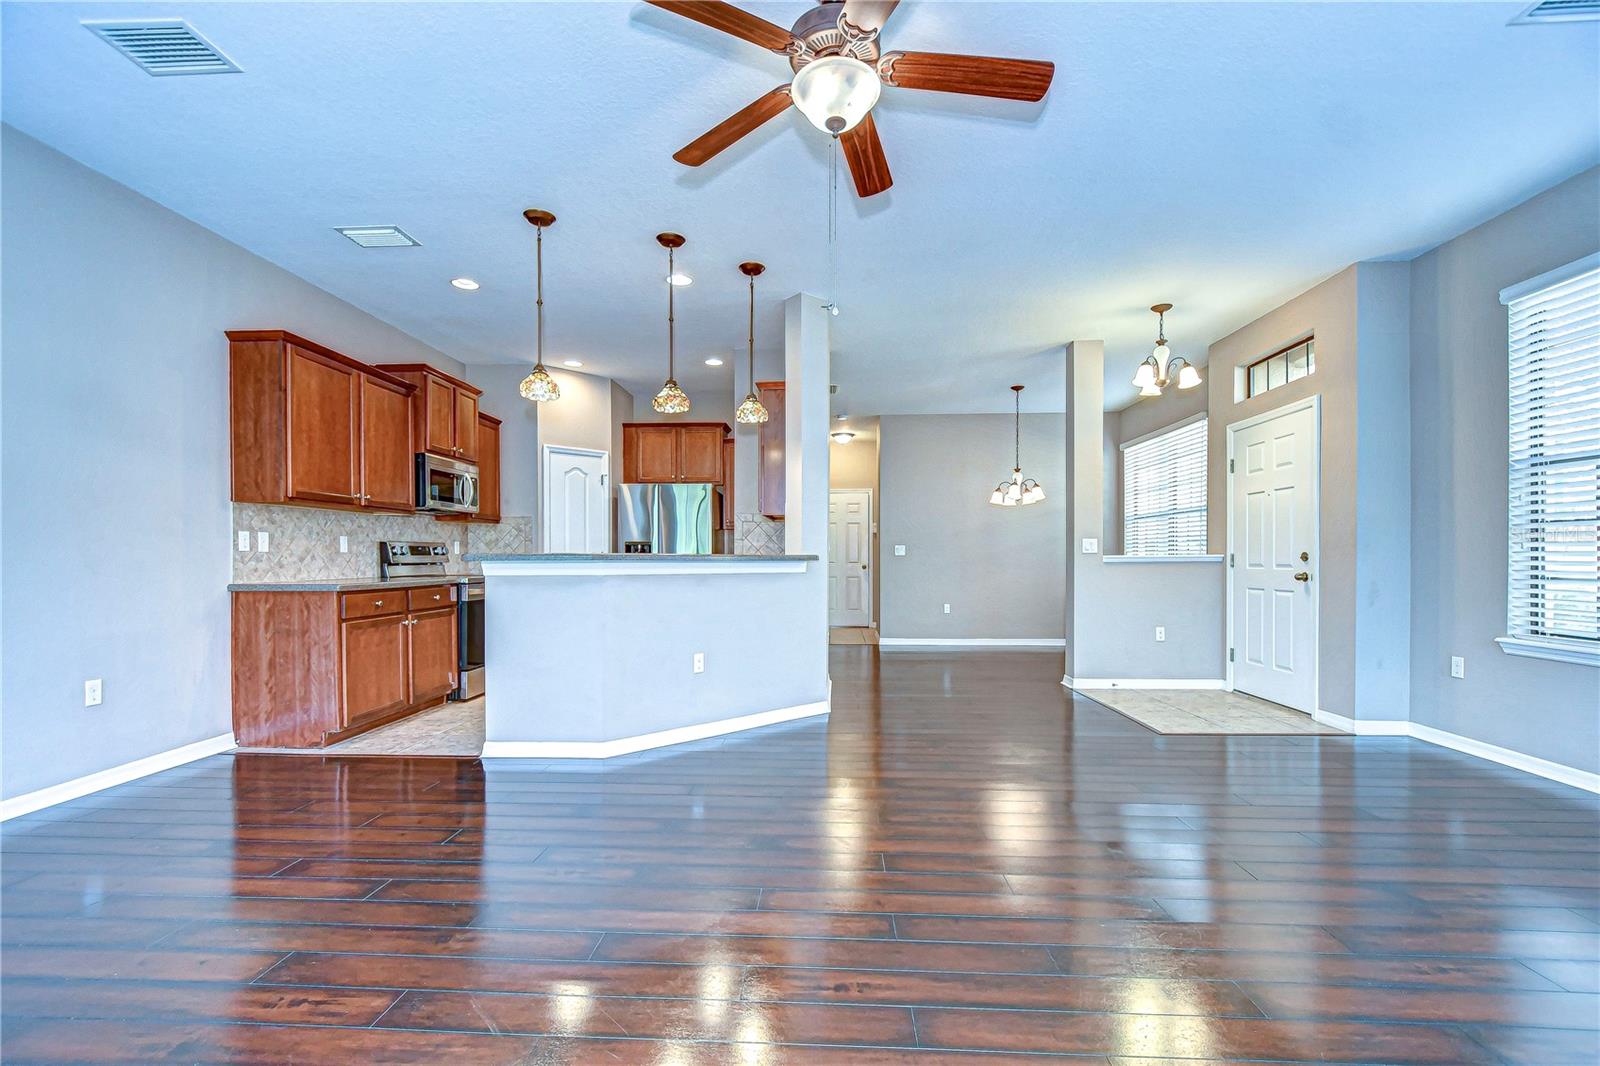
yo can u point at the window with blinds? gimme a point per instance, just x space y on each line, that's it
1553 587
1164 492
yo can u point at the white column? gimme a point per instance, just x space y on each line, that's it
805 442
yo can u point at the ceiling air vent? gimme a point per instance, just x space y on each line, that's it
379 236
1559 11
163 47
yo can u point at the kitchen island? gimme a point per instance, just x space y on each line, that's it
591 656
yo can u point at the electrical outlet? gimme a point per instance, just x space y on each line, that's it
261 540
344 544
899 549
1458 666
1091 545
455 546
947 608
699 662
1161 634
244 540
91 692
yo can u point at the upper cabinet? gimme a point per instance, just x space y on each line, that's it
310 426
488 469
444 410
771 461
658 452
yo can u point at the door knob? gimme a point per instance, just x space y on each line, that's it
1303 576
1305 557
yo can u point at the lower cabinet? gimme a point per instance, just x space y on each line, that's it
314 668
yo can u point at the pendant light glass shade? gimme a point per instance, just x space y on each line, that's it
1188 377
1018 491
751 412
671 400
539 386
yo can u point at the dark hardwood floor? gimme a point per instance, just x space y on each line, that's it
963 859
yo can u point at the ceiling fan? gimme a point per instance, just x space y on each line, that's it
839 69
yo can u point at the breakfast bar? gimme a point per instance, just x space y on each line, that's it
592 656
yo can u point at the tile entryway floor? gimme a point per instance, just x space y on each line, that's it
450 729
1208 713
852 635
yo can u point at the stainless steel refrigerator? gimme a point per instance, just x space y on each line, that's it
666 519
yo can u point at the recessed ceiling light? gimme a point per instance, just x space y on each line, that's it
574 363
465 284
679 279
713 361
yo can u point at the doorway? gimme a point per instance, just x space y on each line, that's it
576 510
1274 506
850 557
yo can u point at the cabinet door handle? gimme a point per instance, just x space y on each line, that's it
377 603
436 595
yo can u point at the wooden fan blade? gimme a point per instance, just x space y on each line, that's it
866 15
729 19
864 152
724 133
1008 79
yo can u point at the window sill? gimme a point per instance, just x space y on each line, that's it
1163 558
1561 651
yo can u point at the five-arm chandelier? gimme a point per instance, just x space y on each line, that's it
1016 489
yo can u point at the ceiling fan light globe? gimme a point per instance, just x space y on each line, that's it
835 93
1188 377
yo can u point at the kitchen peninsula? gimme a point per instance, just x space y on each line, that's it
591 656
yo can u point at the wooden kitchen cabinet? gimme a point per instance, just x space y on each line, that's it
727 483
488 474
314 668
770 462
660 452
310 426
444 410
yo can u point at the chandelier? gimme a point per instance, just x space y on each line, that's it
1161 368
1017 489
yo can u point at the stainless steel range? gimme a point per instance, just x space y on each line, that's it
431 559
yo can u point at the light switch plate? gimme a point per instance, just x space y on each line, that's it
1458 666
947 608
244 540
1091 546
899 549
344 544
261 540
92 693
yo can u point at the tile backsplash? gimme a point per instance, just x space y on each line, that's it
758 535
303 542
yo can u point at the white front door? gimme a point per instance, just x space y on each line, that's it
576 507
1272 552
850 557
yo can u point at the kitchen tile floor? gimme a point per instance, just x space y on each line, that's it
1201 713
852 635
454 729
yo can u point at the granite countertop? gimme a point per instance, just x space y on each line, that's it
642 557
350 584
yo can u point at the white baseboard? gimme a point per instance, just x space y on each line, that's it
1206 683
29 802
607 749
973 642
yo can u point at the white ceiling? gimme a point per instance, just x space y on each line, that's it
1219 156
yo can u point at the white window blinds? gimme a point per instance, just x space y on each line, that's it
1164 492
1553 586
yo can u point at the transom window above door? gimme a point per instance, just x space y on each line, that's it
1281 367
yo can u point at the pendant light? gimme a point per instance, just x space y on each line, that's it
1160 368
671 400
751 412
1017 490
539 386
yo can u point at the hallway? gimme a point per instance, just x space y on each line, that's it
962 858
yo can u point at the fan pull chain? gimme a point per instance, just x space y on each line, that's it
832 305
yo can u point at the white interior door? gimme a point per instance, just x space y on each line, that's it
576 511
849 557
1272 551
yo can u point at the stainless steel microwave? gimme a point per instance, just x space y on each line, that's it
446 485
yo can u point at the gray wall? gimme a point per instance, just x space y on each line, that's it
1458 483
1112 609
999 568
115 410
